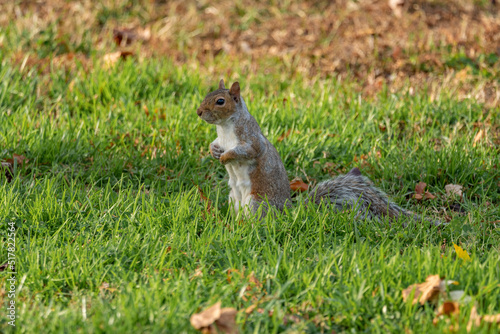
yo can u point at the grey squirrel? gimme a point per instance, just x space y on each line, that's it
257 176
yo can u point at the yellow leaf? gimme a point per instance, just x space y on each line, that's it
462 253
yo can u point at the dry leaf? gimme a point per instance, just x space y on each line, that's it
298 185
397 7
427 291
197 273
448 308
475 319
111 59
125 36
462 253
428 195
214 320
254 280
420 187
284 135
205 199
420 192
20 159
453 190
4 266
479 137
7 168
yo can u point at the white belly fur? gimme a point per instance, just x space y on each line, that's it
239 177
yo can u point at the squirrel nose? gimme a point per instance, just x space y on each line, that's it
199 111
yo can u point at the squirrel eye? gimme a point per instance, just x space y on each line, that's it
220 102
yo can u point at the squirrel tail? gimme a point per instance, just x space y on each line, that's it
355 191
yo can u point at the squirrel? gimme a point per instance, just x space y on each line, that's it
257 176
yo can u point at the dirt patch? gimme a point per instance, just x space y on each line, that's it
458 41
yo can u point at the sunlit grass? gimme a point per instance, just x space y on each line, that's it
109 195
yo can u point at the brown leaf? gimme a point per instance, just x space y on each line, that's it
20 159
397 7
125 36
227 321
230 271
254 280
7 168
428 195
420 192
298 185
420 187
284 135
418 196
4 266
427 291
448 308
480 135
205 199
214 320
475 319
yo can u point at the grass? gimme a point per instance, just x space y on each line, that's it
113 235
113 232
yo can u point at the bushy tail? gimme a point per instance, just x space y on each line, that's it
355 191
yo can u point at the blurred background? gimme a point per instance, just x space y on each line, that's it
379 44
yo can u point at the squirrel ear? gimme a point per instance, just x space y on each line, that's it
221 84
235 91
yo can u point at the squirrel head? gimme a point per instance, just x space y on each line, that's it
221 104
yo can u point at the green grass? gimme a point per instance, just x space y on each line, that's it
110 195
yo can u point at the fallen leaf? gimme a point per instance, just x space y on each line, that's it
453 190
4 266
298 185
20 159
230 271
480 135
427 291
125 36
254 280
420 187
428 195
397 7
461 253
284 135
420 192
475 319
8 172
448 308
214 320
111 59
198 273
205 199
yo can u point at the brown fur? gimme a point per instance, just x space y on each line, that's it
267 174
269 181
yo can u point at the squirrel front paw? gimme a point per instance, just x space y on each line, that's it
216 151
224 158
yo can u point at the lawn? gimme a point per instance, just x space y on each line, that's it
121 215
